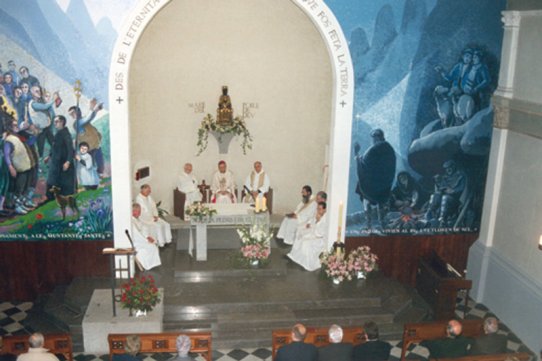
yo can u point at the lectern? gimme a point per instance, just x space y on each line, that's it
438 282
112 252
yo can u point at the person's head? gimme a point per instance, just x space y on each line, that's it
25 87
83 147
477 56
306 193
11 65
371 330
222 166
466 55
17 92
74 112
403 178
449 167
136 210
454 328
299 332
8 78
145 189
258 166
36 340
377 135
491 325
35 91
183 344
188 168
321 208
60 121
132 345
321 196
335 334
23 70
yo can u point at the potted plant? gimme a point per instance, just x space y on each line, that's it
140 293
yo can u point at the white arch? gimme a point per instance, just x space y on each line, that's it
341 124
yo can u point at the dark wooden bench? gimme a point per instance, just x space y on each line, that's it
317 336
56 343
162 342
418 332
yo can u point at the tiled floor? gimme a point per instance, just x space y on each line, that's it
12 322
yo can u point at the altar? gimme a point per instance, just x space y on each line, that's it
227 215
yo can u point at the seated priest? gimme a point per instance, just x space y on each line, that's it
256 184
223 185
188 184
304 211
149 216
146 246
309 244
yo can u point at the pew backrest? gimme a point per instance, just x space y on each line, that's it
162 342
316 336
56 343
521 356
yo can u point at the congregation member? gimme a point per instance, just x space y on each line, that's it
297 350
146 246
312 241
336 350
131 349
491 342
453 345
301 215
223 185
188 184
372 349
183 345
149 215
256 183
36 352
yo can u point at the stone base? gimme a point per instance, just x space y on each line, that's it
99 321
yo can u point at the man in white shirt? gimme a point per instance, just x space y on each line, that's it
146 246
188 184
304 211
149 216
223 185
36 352
257 183
312 241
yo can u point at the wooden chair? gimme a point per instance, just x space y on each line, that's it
179 199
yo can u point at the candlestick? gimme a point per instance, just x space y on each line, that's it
257 204
339 239
264 204
540 243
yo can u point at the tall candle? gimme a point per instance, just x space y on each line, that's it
540 242
264 204
339 239
257 204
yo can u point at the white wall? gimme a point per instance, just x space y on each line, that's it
268 53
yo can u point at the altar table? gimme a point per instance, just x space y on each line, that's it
228 215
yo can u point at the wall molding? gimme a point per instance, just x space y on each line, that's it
517 115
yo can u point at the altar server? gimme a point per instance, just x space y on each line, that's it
149 215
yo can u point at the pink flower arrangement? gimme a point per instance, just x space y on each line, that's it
256 243
362 260
357 264
335 267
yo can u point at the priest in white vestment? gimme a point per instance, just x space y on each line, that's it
188 184
312 241
257 183
149 216
147 248
223 185
302 214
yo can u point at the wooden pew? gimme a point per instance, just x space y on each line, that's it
56 343
162 342
521 356
418 332
317 336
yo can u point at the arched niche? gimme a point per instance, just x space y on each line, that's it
122 97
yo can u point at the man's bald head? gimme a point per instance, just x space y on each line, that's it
299 332
454 328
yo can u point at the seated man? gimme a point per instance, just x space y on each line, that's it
304 211
336 350
147 255
36 350
157 227
188 184
297 350
183 344
373 349
307 248
256 184
491 342
223 185
454 345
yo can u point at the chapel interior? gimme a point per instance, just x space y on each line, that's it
288 62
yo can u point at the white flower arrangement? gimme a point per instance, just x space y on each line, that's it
256 243
199 211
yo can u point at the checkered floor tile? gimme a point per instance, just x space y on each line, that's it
12 322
